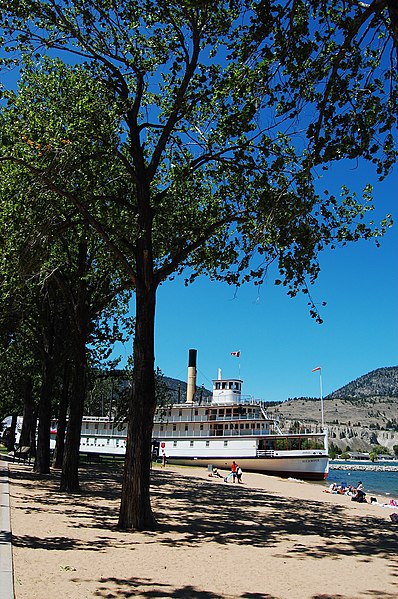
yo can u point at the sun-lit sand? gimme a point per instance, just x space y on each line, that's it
267 538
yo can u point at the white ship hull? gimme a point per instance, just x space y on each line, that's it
301 467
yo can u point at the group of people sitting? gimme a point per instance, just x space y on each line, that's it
356 493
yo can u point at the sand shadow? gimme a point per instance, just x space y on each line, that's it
205 511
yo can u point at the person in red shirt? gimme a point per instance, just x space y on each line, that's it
234 468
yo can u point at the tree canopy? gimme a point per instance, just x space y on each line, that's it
190 135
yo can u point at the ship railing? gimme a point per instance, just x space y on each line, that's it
104 433
208 418
239 399
265 453
207 434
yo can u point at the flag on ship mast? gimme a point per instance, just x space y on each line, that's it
315 369
236 354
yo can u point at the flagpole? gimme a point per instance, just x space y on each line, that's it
236 354
320 385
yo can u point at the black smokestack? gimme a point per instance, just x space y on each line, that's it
191 384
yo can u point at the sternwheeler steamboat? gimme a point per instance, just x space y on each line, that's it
227 426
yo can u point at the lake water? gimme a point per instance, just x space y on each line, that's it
384 483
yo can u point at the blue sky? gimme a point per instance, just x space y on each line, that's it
279 342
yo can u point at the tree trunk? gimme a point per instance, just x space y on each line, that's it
33 448
80 324
42 461
28 413
62 415
135 509
70 465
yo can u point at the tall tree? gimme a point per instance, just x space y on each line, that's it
221 111
73 282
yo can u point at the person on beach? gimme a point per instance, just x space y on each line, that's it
360 495
234 467
216 473
239 474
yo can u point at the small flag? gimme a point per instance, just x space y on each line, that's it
236 354
315 369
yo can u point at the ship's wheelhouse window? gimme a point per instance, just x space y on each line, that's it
207 443
224 385
230 385
174 427
174 443
191 444
225 443
217 386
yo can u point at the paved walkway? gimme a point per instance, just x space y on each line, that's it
6 571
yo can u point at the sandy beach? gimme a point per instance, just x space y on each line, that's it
267 538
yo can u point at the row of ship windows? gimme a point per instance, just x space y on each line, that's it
93 441
221 412
219 427
192 443
123 443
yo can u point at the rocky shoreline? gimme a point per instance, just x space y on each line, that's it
369 467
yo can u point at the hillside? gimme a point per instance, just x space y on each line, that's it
381 382
360 414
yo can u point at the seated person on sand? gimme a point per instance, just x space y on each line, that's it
331 489
360 495
216 473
